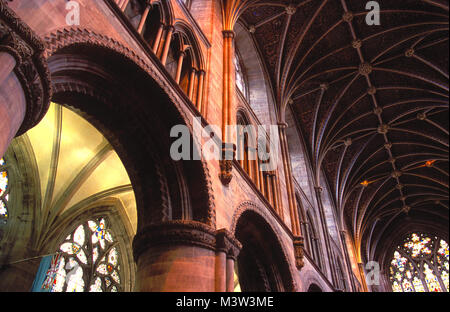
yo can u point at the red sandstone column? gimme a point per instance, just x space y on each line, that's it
144 16
12 102
23 73
221 271
167 42
230 274
158 39
201 76
179 66
182 256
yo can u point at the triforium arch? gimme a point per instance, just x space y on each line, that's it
262 264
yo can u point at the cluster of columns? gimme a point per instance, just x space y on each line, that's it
292 202
161 47
266 181
23 76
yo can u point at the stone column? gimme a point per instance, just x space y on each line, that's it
167 42
148 6
179 66
158 39
201 79
318 192
24 78
347 260
180 256
363 276
227 104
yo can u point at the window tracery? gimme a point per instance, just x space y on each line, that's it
88 260
420 264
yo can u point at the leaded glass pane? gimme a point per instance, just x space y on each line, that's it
414 267
80 268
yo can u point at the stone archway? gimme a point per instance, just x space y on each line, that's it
114 90
314 288
262 264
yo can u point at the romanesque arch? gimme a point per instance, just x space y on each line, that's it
91 74
262 264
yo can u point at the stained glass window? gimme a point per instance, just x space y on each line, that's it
4 191
420 264
89 261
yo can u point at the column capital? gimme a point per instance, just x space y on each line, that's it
318 188
299 246
178 232
31 69
226 242
228 34
169 27
282 125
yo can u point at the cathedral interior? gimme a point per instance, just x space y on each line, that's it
107 183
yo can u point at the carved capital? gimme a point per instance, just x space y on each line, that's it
228 34
226 163
299 247
18 40
186 233
226 242
169 233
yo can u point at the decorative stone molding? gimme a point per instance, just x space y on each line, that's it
347 17
228 34
383 129
227 243
357 43
409 52
188 233
17 39
226 164
372 90
365 69
299 247
290 10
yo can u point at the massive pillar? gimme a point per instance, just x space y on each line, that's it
24 78
183 256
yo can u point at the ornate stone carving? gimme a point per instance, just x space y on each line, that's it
365 69
299 252
17 39
188 233
227 243
226 163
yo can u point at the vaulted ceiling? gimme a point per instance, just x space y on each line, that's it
371 102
